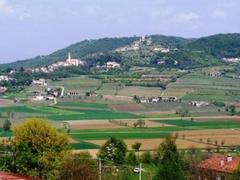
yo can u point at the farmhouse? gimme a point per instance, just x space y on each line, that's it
144 100
199 103
73 93
231 60
50 97
39 82
161 49
214 73
158 99
39 98
168 98
112 64
217 167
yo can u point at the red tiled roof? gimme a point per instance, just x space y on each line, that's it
11 176
214 163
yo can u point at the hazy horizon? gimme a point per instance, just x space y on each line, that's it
31 28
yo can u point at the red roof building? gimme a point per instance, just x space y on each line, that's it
217 167
12 176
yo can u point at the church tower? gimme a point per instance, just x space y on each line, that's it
69 56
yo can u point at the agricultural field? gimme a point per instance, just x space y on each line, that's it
140 91
93 124
111 111
187 131
207 88
152 144
62 113
80 84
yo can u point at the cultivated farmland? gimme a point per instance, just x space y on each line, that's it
110 110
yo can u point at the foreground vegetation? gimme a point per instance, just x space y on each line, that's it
38 150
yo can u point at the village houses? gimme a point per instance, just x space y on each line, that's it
158 99
5 78
67 63
39 82
217 167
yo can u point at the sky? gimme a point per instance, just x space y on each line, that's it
38 27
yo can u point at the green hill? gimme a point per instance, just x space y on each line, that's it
188 53
219 46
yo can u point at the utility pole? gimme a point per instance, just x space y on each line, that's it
100 168
140 171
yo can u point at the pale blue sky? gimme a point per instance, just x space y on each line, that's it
36 27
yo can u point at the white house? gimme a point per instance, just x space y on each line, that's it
39 98
4 78
231 60
40 82
112 64
199 103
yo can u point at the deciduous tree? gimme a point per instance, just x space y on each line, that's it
7 125
78 167
170 164
114 150
39 149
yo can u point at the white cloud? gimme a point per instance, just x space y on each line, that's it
219 13
187 17
5 8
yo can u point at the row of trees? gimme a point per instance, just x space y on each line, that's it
38 150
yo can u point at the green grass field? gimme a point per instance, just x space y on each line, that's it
130 133
80 84
83 145
158 132
61 114
92 114
203 125
82 105
5 133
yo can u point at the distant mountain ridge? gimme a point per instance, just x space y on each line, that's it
190 52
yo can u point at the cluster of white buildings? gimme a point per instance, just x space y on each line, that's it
112 64
146 41
109 65
199 103
136 45
39 82
48 94
161 49
231 60
214 73
5 78
67 63
158 99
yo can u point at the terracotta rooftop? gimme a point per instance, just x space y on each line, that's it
220 163
11 176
